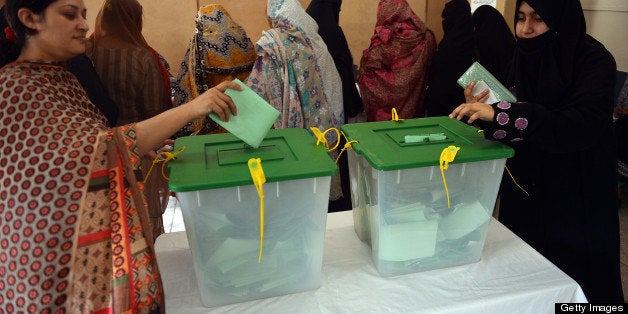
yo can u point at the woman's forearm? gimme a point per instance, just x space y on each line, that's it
152 132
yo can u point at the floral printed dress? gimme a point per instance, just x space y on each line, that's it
296 74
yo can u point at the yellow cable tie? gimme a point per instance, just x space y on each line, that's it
447 155
395 116
165 157
322 139
515 181
257 174
511 176
348 145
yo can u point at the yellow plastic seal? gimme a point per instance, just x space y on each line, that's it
165 157
322 139
446 156
257 174
348 145
395 116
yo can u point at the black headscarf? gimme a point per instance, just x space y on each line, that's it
457 27
326 14
3 20
543 66
494 42
81 66
454 56
5 52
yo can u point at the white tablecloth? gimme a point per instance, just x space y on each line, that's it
511 277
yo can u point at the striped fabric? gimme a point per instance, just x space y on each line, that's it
133 81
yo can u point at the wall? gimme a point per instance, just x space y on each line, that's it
507 8
168 26
607 21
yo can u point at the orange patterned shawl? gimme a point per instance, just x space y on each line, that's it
74 220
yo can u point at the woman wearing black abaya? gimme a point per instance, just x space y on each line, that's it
453 57
494 42
326 13
564 154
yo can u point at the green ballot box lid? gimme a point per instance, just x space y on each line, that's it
413 143
221 160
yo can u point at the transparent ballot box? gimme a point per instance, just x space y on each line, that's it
412 218
222 213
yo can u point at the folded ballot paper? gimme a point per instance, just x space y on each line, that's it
255 116
407 234
484 79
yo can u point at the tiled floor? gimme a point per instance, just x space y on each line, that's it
173 221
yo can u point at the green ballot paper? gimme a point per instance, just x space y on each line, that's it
476 73
255 116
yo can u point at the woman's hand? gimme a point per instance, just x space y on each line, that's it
474 111
468 94
215 100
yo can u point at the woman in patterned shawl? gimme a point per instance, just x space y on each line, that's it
295 73
393 70
327 14
83 68
219 50
75 235
137 81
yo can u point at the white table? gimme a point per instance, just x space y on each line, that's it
511 277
